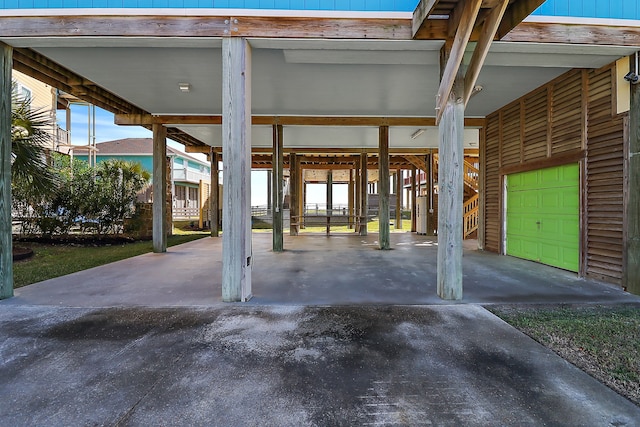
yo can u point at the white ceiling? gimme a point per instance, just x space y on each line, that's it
312 77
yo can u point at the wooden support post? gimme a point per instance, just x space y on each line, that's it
358 190
383 187
450 195
399 182
294 216
6 245
159 188
300 195
364 206
329 199
303 200
430 195
214 206
413 199
270 183
350 197
278 177
236 152
631 278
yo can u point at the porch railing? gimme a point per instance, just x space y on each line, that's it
470 215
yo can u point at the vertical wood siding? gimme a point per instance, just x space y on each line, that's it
548 124
612 9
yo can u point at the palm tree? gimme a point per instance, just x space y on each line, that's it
30 135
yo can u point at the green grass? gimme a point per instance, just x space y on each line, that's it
373 226
52 261
602 340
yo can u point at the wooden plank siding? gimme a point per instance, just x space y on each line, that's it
604 180
571 119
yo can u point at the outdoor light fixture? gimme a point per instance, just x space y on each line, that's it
184 87
632 76
477 89
417 133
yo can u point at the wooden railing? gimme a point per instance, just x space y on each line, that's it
185 213
471 174
470 215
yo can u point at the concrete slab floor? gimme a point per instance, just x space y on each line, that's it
288 366
316 270
334 336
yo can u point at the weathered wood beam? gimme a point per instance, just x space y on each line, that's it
277 176
364 191
329 200
600 35
399 185
515 14
383 188
420 14
214 196
294 182
413 197
6 250
206 26
147 119
631 278
489 28
236 146
456 54
159 233
450 194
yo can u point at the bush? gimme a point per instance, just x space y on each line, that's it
97 199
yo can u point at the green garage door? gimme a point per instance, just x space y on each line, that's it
543 211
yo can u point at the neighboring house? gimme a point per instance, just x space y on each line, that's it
190 177
43 97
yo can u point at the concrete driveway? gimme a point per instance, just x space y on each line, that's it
146 342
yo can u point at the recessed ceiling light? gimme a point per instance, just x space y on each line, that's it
184 87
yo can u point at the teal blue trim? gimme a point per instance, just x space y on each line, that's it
606 9
346 5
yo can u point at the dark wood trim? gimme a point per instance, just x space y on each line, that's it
583 245
584 105
147 119
559 160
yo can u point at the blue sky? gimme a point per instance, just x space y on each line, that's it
106 130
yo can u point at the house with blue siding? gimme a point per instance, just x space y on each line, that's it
190 177
543 93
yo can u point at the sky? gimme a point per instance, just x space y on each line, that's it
106 130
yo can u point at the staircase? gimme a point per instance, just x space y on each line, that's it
470 211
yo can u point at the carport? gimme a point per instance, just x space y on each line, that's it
299 84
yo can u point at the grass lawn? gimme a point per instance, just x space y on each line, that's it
52 261
604 341
373 226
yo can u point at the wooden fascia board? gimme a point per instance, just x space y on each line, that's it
206 26
601 35
463 33
147 119
315 150
515 14
420 15
489 28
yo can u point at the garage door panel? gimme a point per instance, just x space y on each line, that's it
543 216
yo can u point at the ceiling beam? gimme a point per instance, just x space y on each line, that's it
489 28
463 33
177 120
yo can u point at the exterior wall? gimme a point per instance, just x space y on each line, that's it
611 9
349 5
571 119
145 161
